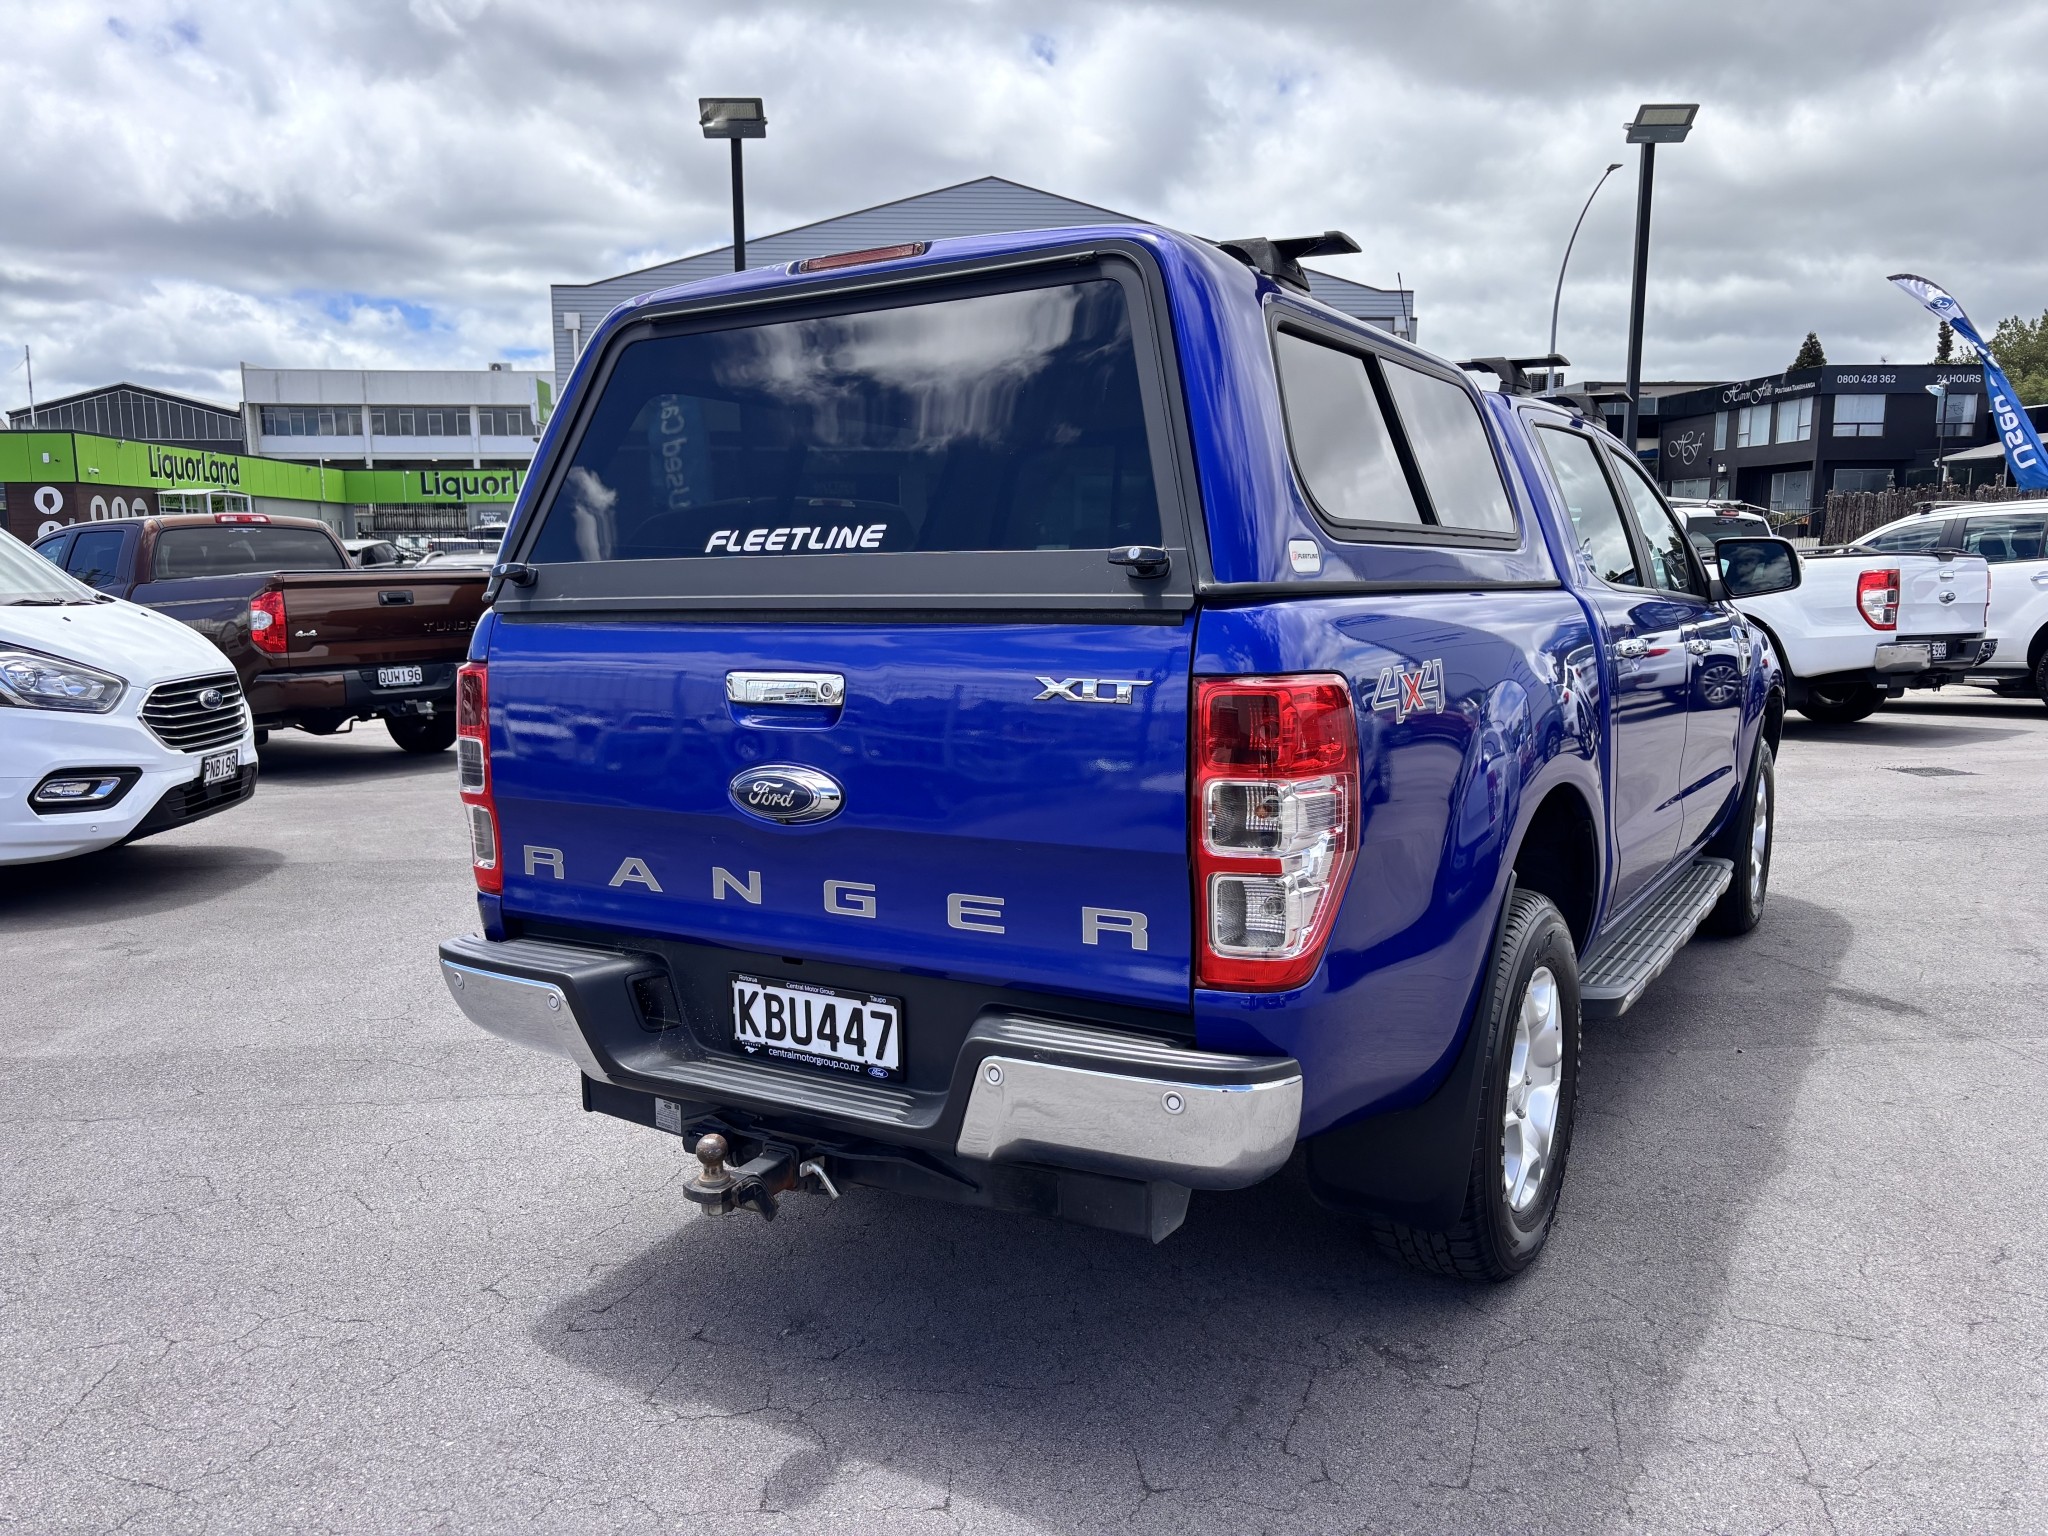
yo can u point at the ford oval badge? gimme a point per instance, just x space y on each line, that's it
784 793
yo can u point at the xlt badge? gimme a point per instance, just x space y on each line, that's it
786 793
1092 690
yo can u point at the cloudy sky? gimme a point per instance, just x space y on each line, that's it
184 187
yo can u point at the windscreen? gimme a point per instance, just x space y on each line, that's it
26 578
235 549
1001 421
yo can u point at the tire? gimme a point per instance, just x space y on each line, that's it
1841 703
2041 677
434 733
1509 1204
1747 842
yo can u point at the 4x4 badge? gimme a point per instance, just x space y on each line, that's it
1408 691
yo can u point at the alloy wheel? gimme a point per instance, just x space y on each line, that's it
1535 1081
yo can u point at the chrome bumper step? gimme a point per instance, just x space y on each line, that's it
1615 976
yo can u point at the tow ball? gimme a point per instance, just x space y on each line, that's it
755 1184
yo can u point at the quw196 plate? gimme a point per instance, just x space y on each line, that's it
855 1032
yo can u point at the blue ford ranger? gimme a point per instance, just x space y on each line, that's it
1054 721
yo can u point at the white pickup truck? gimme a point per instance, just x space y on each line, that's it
2012 538
1866 623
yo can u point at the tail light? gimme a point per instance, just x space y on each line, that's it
1276 825
1877 598
473 774
266 623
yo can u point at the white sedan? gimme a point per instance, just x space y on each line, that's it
115 721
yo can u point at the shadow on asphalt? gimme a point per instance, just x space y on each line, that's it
365 754
1263 1367
120 884
1896 732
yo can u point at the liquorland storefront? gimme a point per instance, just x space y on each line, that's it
52 478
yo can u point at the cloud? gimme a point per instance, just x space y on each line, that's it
192 185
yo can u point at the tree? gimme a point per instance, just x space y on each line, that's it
1810 354
1944 343
2021 347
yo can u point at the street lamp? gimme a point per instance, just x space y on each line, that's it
734 118
1550 382
1668 123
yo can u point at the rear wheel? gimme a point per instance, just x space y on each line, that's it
2041 677
1746 843
1528 1104
1841 703
422 734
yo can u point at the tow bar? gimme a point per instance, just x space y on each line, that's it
775 1170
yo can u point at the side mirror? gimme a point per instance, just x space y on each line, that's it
1757 567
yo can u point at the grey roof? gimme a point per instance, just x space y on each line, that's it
990 205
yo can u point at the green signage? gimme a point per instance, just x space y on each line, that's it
56 458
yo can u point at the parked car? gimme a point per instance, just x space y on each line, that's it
115 722
369 552
2012 538
1061 719
1708 522
316 642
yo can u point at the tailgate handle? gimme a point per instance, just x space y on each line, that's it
394 599
784 687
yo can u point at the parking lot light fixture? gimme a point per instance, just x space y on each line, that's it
736 118
1557 297
1655 123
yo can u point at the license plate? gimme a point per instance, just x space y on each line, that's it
1938 650
401 677
218 768
858 1032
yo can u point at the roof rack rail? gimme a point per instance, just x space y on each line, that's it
1281 259
1513 372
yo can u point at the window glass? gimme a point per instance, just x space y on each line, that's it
1720 430
95 554
1795 420
1859 415
1671 566
1004 421
1753 426
1341 443
1959 415
1792 491
1451 449
25 578
1596 520
52 548
1862 480
2003 539
1906 539
234 549
1692 490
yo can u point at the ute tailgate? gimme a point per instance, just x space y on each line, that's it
372 618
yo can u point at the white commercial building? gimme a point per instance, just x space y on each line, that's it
370 418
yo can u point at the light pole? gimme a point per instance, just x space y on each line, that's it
734 118
1668 123
1550 378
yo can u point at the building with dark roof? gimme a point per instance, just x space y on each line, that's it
990 205
139 414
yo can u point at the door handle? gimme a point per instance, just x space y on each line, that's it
785 687
1631 649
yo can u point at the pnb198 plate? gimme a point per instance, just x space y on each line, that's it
218 768
858 1032
400 677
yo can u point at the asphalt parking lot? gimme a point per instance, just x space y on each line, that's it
286 1244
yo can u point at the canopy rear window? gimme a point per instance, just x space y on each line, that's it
1006 421
237 549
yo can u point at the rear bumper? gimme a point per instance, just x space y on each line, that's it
276 697
1024 1089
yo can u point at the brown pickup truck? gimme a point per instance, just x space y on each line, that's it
317 642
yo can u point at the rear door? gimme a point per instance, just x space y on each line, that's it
827 653
1714 639
1649 670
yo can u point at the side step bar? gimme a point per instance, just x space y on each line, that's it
1619 972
